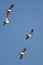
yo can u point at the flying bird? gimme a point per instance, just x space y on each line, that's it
30 34
22 53
9 10
6 21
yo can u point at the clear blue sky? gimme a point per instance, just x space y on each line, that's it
26 14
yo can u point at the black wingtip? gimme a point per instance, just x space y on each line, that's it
32 30
27 37
25 49
4 23
12 5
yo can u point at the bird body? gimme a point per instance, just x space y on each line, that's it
9 10
30 34
22 53
6 21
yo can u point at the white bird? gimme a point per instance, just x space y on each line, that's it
30 34
9 10
22 53
6 21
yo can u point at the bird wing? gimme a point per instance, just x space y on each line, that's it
21 56
7 13
24 50
4 23
32 31
11 6
27 36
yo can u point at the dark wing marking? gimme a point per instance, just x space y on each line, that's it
7 13
32 31
27 37
21 56
24 50
4 23
11 6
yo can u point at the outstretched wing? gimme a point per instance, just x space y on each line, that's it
32 31
21 56
11 6
4 23
8 12
24 50
27 37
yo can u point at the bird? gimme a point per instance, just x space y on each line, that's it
22 53
9 10
30 34
6 21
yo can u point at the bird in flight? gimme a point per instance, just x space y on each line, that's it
6 21
22 53
30 34
9 10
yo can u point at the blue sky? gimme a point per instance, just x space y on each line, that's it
26 14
